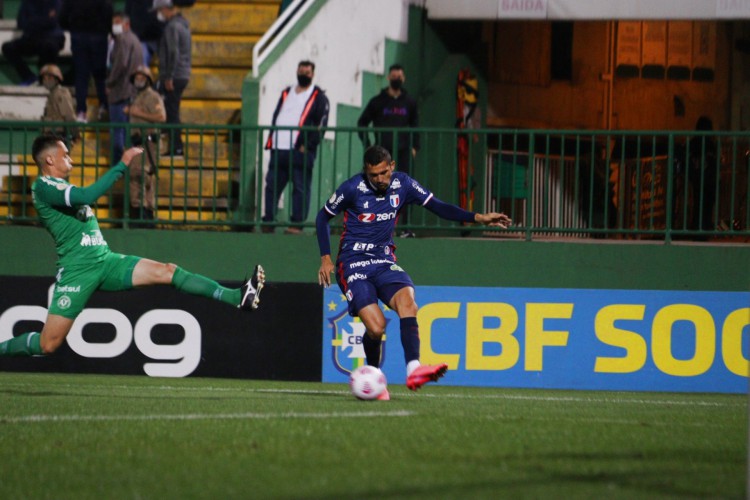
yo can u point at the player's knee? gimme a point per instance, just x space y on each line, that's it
376 334
49 344
408 310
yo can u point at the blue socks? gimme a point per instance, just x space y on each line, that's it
410 339
372 350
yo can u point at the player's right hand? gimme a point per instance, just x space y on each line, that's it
324 273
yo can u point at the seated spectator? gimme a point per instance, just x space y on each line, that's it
147 108
59 106
41 37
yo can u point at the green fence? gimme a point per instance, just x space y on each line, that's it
573 184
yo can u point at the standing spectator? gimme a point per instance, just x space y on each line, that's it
174 65
89 22
702 177
394 108
42 36
304 105
147 108
59 106
145 25
125 59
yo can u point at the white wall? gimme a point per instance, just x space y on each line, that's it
346 38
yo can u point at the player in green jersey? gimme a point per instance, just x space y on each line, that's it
85 262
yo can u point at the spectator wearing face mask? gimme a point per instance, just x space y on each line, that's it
147 108
293 151
59 106
126 56
394 108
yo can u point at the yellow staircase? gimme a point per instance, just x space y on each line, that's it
197 186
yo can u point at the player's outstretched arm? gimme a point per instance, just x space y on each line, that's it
89 194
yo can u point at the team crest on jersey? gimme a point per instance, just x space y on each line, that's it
346 342
395 200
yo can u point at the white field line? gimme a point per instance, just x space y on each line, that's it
421 394
204 416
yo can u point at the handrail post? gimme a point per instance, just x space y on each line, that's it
670 182
530 187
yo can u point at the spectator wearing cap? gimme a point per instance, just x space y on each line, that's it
59 106
41 36
125 58
175 54
147 109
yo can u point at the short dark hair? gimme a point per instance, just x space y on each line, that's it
375 155
41 145
396 67
307 63
121 14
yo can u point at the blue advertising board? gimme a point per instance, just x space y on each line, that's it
635 340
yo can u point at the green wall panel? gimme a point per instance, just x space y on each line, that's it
29 251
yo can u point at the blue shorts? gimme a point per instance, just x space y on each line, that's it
364 280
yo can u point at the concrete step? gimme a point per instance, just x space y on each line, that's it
192 183
234 51
231 18
217 112
218 204
215 83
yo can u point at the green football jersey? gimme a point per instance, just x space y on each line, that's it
78 239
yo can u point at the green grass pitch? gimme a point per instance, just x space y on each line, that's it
86 436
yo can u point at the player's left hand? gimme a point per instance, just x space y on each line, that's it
494 219
324 273
129 154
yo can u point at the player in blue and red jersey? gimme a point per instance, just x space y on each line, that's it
366 268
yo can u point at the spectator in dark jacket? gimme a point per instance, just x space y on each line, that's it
394 108
293 151
89 23
175 62
41 37
145 25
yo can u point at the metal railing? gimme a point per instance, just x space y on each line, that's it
574 184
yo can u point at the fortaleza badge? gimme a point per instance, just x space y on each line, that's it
394 200
346 342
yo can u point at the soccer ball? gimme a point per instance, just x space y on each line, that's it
367 382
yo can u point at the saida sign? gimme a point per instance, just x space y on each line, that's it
686 341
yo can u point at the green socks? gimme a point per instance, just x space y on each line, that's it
23 345
196 284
